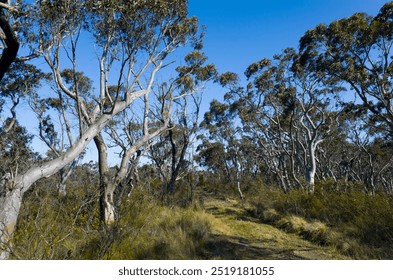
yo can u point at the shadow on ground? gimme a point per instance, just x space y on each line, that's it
233 248
239 236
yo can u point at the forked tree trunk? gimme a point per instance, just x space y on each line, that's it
10 203
108 203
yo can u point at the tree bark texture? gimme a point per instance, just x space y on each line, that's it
107 189
10 206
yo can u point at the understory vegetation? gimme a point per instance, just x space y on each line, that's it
355 224
70 228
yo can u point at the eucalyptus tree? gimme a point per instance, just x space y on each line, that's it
224 147
289 111
132 42
358 50
320 113
335 158
169 156
212 151
371 157
132 133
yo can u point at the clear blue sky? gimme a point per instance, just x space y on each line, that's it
242 32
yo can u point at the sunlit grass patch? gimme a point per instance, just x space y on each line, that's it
359 225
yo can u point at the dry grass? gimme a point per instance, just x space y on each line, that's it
237 235
50 228
356 224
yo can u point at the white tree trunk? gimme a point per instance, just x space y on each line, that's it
9 211
239 190
12 201
311 179
109 205
312 168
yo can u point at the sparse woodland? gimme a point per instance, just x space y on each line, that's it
301 143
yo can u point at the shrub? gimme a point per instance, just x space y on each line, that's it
68 228
356 223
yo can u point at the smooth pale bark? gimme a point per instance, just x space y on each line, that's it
10 205
312 167
12 201
239 190
107 186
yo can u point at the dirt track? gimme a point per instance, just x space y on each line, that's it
237 235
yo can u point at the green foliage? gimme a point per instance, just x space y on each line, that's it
291 102
69 228
51 227
163 233
358 224
346 49
22 79
15 148
228 78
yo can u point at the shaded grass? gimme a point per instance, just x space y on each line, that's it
357 224
238 235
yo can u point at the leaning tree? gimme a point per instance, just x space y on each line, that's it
358 51
131 42
289 111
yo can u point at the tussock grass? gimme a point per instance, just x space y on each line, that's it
165 234
69 228
317 232
357 224
270 216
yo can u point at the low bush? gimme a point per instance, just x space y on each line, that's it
161 233
50 227
356 223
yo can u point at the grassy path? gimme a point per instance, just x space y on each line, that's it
237 235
